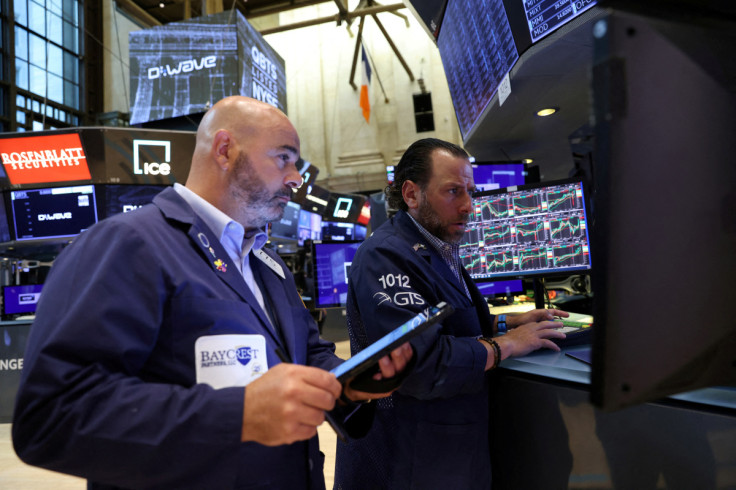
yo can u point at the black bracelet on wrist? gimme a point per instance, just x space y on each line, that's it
496 350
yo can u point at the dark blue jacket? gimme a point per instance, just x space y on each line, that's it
108 388
432 433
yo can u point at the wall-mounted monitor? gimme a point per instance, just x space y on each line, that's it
21 299
287 227
55 212
332 261
526 231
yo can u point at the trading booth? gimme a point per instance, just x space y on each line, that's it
56 184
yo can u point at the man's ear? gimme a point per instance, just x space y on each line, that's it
410 191
222 149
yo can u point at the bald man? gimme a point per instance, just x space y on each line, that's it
155 357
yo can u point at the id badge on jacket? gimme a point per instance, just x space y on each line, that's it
230 360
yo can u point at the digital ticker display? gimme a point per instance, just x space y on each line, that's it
183 68
544 16
527 231
477 50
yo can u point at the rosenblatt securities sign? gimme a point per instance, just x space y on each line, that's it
41 159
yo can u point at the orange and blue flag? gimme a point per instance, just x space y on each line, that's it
365 102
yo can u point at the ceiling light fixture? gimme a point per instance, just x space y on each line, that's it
547 112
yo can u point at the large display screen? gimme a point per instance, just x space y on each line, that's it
183 68
54 212
332 261
477 50
532 230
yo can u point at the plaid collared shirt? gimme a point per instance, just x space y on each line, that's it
449 252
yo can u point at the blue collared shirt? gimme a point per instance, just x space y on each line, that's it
450 252
232 236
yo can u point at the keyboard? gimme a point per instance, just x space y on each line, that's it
577 331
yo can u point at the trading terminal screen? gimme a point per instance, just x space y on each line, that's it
531 230
53 212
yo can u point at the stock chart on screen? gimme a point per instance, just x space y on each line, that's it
527 231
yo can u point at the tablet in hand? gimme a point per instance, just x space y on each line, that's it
383 346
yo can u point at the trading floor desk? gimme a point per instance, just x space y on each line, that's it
547 435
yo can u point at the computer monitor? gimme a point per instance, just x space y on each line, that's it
310 226
287 227
338 231
21 299
54 212
665 203
534 230
331 262
508 287
497 175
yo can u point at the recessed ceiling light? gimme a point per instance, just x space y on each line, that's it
161 5
547 112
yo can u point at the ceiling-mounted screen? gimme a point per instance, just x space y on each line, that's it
477 50
545 16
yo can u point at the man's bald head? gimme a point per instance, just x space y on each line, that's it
242 141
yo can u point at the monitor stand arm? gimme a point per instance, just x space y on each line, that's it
539 294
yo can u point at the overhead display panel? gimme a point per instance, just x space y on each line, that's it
545 16
42 159
477 50
183 68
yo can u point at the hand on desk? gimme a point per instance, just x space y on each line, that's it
529 337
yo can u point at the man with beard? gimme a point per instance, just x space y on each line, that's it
433 431
153 322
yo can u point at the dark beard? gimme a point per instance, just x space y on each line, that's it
429 220
249 189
